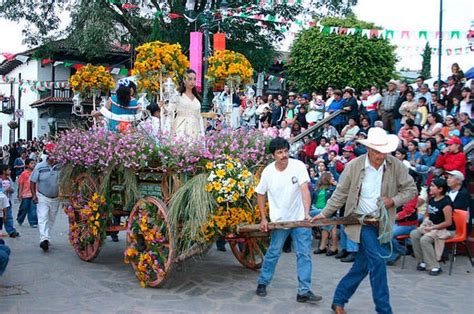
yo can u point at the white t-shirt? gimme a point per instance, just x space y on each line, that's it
4 203
284 190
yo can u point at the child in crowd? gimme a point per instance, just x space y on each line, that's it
27 207
323 191
7 186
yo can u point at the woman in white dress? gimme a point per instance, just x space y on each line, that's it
184 110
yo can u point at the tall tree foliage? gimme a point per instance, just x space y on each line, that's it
95 24
426 63
318 60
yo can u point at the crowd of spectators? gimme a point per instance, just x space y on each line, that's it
432 127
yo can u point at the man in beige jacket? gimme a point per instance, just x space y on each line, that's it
374 184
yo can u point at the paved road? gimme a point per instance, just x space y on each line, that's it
58 282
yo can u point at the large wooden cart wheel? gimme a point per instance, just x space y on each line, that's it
150 243
86 244
249 251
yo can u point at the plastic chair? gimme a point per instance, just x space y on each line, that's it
404 238
460 221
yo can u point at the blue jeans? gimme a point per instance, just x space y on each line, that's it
4 257
302 240
9 228
398 125
316 211
368 261
346 243
397 249
27 207
373 116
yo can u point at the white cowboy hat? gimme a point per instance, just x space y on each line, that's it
379 140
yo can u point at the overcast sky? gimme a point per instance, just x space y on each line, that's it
410 15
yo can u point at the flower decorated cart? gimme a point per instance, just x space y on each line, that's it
172 197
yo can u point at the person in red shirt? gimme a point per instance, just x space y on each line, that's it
408 132
452 158
307 152
27 207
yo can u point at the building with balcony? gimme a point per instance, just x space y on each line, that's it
34 109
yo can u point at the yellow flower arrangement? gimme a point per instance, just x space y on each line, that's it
232 185
91 78
155 59
227 65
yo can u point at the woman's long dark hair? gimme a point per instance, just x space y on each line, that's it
434 145
182 87
124 93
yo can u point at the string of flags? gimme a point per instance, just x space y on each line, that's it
66 64
34 85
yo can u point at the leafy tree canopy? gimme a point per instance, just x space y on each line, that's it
95 24
320 60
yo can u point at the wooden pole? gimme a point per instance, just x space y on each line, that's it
350 220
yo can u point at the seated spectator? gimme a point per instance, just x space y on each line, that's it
284 131
307 151
321 150
409 132
337 104
291 113
401 154
429 155
295 129
278 113
408 108
441 109
364 125
421 113
329 131
466 103
360 149
333 146
268 130
455 109
301 117
465 121
350 131
406 221
452 158
413 155
331 165
347 155
440 142
428 239
321 167
451 127
322 192
458 194
466 137
316 107
4 256
432 127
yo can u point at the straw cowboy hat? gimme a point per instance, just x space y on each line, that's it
379 140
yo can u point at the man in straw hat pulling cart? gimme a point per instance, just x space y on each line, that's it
372 185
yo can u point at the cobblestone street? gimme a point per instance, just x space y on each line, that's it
59 282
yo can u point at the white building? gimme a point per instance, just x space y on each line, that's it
41 109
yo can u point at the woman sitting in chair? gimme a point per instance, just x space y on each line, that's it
428 239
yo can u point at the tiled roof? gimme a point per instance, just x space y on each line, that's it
56 100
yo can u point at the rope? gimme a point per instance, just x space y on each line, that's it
385 228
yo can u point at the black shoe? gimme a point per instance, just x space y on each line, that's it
308 297
44 245
341 254
261 290
331 253
14 234
393 261
350 258
421 266
435 271
114 237
319 251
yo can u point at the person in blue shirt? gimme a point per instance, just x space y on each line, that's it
337 104
123 103
413 155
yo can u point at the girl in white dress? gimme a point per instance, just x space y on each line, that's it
184 110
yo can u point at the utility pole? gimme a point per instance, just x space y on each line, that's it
440 45
205 84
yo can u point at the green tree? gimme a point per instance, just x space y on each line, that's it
426 63
95 24
320 59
